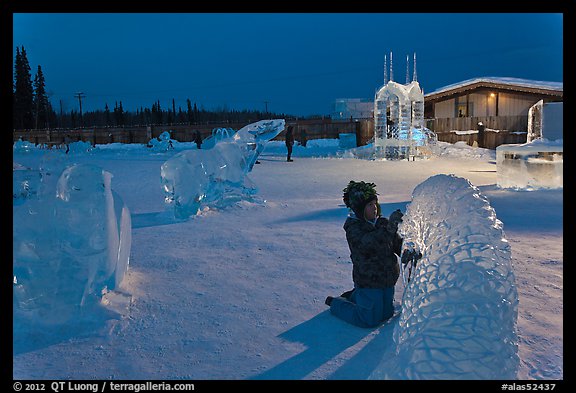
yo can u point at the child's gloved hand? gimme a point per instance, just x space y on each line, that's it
394 220
396 216
410 255
407 255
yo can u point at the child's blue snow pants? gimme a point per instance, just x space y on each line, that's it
368 307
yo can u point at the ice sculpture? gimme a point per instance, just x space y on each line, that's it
194 178
539 163
161 144
25 183
546 121
347 141
399 119
217 135
71 243
459 311
23 146
80 147
530 166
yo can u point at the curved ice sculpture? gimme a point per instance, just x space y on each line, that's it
162 143
71 244
460 309
193 178
217 135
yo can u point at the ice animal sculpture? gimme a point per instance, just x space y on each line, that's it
193 178
71 243
161 144
459 311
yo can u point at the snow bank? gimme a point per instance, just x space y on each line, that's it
462 150
459 311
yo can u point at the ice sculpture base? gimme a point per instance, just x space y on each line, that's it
530 166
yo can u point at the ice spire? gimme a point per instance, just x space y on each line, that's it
385 70
391 70
414 77
407 69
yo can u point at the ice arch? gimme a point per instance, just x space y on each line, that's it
399 119
459 311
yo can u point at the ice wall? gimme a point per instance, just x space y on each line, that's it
459 311
71 243
215 176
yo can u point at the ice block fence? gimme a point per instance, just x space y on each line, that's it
71 242
459 310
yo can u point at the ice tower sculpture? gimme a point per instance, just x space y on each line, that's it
399 118
216 176
459 311
71 244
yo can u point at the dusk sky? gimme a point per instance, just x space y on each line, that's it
292 63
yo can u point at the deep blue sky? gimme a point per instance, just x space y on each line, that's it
299 63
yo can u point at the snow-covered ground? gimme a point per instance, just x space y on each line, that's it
239 293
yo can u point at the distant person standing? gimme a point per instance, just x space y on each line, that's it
389 126
289 143
198 139
481 134
303 137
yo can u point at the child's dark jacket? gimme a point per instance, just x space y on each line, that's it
372 250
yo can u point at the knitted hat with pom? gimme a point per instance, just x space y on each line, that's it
357 195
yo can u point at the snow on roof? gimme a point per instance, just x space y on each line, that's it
557 86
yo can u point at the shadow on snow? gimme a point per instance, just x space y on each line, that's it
326 337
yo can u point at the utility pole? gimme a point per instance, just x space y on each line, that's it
61 120
80 95
266 105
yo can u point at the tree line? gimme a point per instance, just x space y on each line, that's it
32 108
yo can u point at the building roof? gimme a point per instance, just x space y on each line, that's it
515 84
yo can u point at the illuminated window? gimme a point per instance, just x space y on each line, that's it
463 109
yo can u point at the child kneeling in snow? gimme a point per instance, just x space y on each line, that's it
373 241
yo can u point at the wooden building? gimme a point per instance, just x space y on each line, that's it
499 103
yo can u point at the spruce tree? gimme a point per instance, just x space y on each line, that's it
120 114
41 104
189 113
196 115
23 92
107 115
